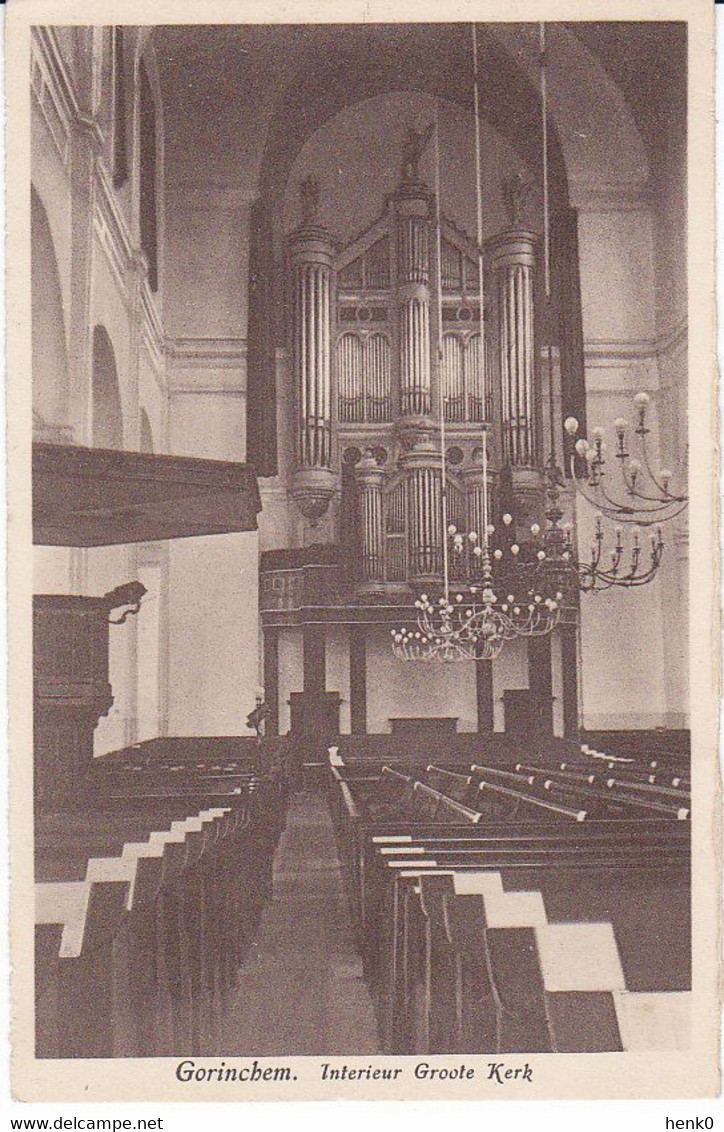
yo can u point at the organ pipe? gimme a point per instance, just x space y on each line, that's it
370 478
378 384
513 263
311 252
414 302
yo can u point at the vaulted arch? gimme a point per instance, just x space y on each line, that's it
107 414
49 343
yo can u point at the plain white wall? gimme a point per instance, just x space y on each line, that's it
213 640
406 688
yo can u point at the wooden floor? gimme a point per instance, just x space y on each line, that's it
301 989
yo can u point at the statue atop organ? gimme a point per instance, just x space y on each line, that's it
416 142
309 200
517 192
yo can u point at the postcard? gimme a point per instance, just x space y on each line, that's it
364 633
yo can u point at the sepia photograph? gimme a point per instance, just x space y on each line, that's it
367 716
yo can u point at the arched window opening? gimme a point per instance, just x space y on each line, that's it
148 175
49 350
107 416
120 143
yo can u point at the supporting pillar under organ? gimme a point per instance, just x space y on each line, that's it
370 478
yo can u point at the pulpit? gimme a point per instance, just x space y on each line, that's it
71 692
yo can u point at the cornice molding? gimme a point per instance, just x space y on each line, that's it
632 194
672 338
206 391
151 328
618 351
53 87
128 263
45 42
207 352
112 228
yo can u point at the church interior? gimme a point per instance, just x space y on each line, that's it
359 410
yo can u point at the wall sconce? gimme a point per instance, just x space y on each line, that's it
127 597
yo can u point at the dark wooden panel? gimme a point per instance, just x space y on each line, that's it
71 691
424 727
99 497
484 694
315 714
271 680
583 1022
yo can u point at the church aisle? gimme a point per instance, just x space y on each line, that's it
301 989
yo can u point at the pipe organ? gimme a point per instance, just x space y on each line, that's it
311 261
373 371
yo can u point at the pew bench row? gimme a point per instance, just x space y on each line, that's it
140 956
527 925
148 896
472 967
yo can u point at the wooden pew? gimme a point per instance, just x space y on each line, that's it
499 973
452 783
650 790
645 900
636 870
188 935
80 993
602 798
177 950
516 847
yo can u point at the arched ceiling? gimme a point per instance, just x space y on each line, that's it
647 61
432 58
245 98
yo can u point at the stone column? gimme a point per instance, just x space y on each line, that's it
271 679
569 679
311 252
358 679
370 478
421 464
484 695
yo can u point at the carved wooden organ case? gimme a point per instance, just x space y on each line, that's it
369 380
